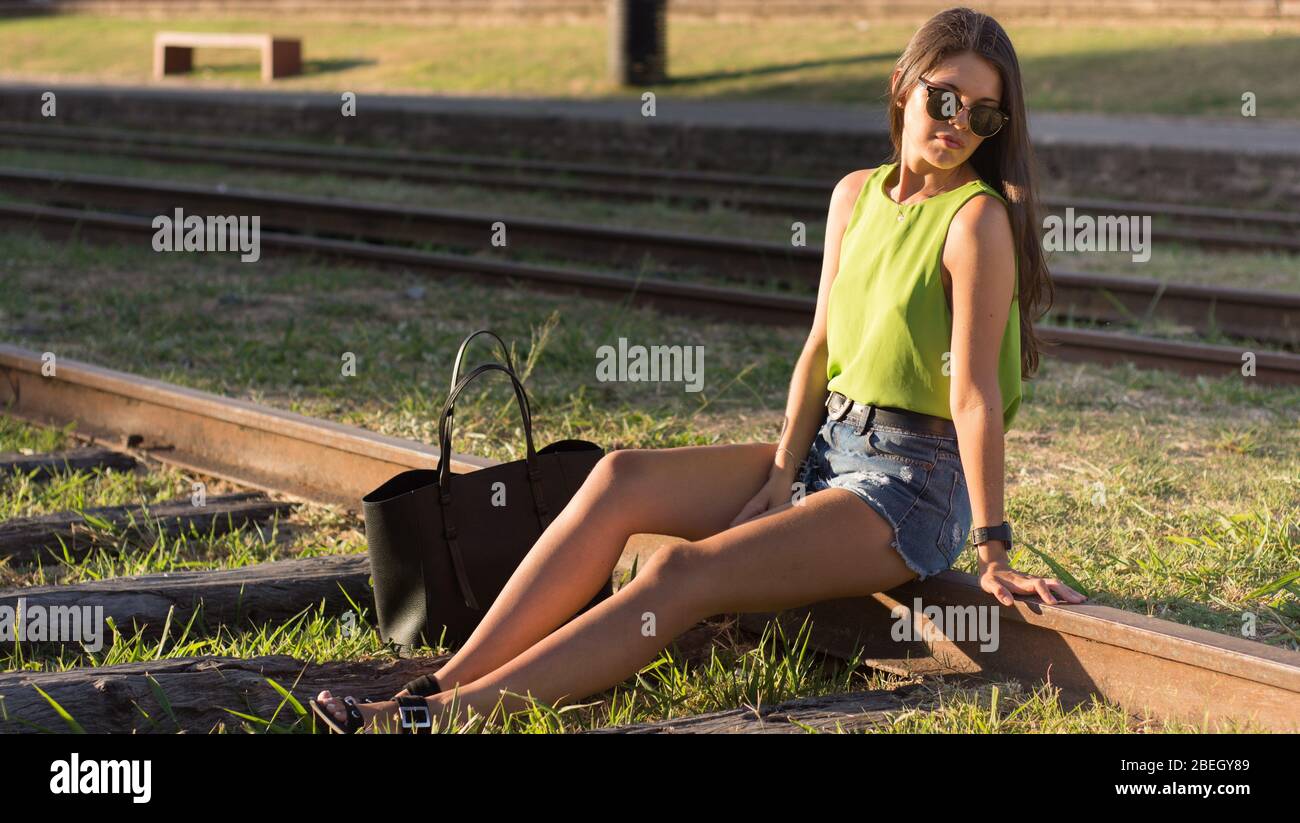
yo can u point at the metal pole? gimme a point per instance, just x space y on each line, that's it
637 41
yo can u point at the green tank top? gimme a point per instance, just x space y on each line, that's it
888 326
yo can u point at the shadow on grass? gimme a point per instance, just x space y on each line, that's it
776 68
1115 80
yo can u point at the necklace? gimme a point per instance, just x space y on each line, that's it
900 206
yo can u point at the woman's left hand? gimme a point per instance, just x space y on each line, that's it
1001 581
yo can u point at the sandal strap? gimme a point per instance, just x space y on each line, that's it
425 684
414 715
355 721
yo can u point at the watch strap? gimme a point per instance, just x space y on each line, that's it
986 533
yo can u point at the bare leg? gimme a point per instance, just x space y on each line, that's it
792 556
691 492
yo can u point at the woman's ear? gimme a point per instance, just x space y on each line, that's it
893 86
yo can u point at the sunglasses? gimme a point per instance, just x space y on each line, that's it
943 104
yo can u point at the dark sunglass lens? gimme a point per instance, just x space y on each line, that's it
985 121
943 104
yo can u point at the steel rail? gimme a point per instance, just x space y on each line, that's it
1084 345
1270 317
1147 666
387 222
237 440
708 181
790 196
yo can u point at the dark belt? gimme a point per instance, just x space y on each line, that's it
862 415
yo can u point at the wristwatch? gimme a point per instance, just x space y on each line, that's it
986 533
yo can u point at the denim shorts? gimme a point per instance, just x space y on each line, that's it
914 479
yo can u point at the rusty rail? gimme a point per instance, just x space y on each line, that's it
1270 367
1250 313
246 443
693 189
1166 670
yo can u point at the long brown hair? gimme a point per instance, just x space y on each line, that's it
1005 161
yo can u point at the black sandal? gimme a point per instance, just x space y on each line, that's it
413 715
424 685
354 722
412 712
427 684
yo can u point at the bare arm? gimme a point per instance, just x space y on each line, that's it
804 407
980 258
807 398
981 262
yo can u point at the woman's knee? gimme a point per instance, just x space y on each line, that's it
615 489
619 471
618 461
683 569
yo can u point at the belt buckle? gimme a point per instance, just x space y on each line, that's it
838 405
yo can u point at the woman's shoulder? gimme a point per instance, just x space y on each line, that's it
986 188
982 221
985 215
849 189
985 205
854 180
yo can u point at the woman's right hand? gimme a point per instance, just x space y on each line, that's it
776 491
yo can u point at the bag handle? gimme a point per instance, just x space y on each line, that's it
449 407
460 356
443 468
455 373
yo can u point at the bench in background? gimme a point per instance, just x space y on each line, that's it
173 51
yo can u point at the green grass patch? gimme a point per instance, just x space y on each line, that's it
1108 469
1159 494
1141 67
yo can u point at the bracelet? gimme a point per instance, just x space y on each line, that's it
787 451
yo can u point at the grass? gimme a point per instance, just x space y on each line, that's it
1104 465
142 547
1137 68
1169 262
1161 495
720 670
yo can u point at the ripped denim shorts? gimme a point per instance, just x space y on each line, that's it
914 479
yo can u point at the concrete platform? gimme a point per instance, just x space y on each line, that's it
1236 161
1243 134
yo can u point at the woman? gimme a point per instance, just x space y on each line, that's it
932 268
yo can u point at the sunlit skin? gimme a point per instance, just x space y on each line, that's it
748 547
978 279
929 165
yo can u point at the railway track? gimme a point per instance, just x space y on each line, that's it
794 197
731 304
1269 317
677 297
1147 666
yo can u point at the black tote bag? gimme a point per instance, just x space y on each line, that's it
443 545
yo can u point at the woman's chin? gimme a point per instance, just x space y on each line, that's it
942 158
